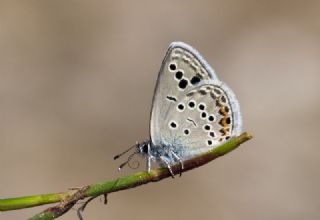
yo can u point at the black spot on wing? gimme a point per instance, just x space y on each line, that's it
172 98
195 80
179 75
183 84
172 67
192 121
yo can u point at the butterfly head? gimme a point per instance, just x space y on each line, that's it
138 148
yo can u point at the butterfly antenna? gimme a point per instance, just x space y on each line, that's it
128 161
119 155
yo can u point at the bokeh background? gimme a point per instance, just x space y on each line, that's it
76 83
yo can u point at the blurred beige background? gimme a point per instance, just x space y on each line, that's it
76 83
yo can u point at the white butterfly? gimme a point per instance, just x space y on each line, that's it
192 110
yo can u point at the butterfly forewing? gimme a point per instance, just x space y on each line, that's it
182 70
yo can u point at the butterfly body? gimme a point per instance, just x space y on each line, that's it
192 110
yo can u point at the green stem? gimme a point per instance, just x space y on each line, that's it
69 198
30 201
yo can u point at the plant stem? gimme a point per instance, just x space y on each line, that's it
69 198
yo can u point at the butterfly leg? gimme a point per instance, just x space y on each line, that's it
164 160
178 159
148 159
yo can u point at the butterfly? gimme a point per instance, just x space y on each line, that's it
192 110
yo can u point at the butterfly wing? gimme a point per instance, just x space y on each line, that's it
182 69
203 118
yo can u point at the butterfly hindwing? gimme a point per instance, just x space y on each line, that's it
202 119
